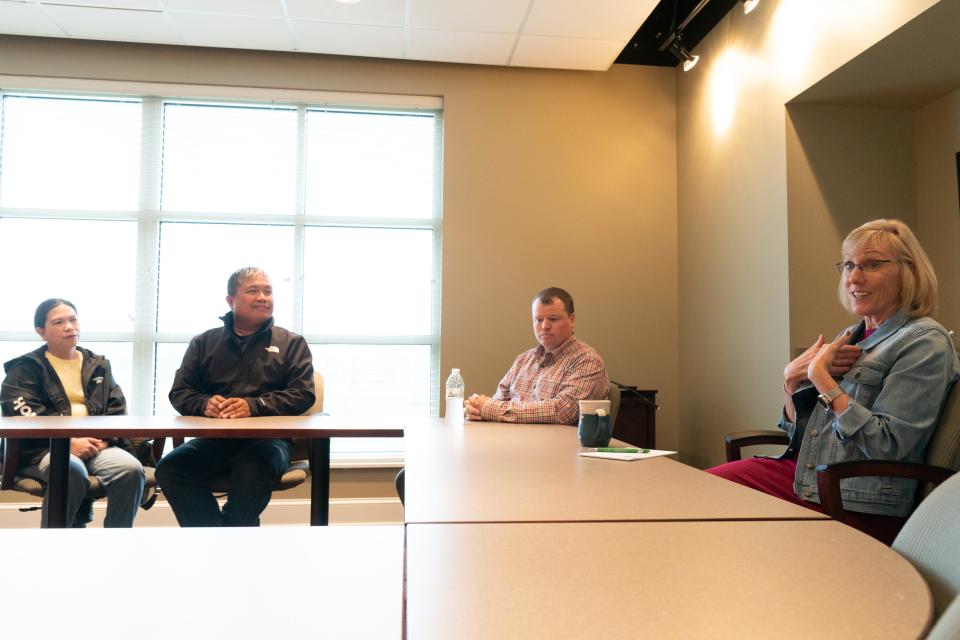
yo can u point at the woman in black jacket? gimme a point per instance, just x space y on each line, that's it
62 379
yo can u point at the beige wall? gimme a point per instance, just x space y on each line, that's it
937 138
733 223
550 178
844 166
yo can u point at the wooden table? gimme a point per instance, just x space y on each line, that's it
783 579
271 582
489 472
318 429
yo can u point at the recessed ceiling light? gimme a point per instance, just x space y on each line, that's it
348 1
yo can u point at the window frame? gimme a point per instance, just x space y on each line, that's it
149 218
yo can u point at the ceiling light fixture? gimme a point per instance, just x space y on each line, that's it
356 1
683 55
673 42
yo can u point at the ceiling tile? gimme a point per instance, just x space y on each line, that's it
499 16
26 19
235 32
597 19
348 39
267 8
378 12
572 34
459 46
114 24
143 5
565 53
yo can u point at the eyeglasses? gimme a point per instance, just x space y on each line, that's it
869 266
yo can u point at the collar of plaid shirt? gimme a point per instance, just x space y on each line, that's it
546 358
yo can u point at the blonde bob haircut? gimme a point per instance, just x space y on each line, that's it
918 283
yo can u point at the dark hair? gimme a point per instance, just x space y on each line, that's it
239 276
40 315
550 294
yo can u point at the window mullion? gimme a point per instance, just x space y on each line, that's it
439 223
148 250
298 225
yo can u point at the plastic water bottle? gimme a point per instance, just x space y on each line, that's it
454 410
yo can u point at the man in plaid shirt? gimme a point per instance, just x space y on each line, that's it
545 384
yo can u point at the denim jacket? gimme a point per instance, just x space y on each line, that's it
897 388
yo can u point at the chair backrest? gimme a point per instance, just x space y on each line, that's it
944 448
948 626
613 394
930 540
301 446
317 406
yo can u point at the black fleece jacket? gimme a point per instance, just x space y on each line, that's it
271 369
32 388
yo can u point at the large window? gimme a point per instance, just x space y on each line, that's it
138 208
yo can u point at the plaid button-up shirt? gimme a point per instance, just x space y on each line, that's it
544 387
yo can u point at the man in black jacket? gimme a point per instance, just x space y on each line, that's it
248 367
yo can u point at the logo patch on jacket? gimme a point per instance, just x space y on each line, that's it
23 408
273 349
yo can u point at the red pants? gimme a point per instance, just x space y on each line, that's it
775 477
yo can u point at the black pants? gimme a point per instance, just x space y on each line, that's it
253 465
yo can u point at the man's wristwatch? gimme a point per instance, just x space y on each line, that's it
826 399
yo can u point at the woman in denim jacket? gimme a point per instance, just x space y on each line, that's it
874 393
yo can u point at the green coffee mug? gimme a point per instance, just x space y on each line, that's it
594 430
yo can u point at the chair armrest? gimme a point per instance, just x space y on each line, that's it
734 441
830 475
11 451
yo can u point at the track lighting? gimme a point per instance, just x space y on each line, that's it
683 55
674 43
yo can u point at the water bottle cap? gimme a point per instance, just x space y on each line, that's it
456 371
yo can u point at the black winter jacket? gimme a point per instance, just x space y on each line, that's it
272 370
32 388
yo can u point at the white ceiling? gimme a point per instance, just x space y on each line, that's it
561 34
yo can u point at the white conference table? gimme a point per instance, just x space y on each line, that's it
716 579
492 472
256 583
318 429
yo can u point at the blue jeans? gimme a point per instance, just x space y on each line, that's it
120 474
253 466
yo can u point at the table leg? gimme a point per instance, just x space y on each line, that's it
320 482
57 483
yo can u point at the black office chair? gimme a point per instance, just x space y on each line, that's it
613 394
